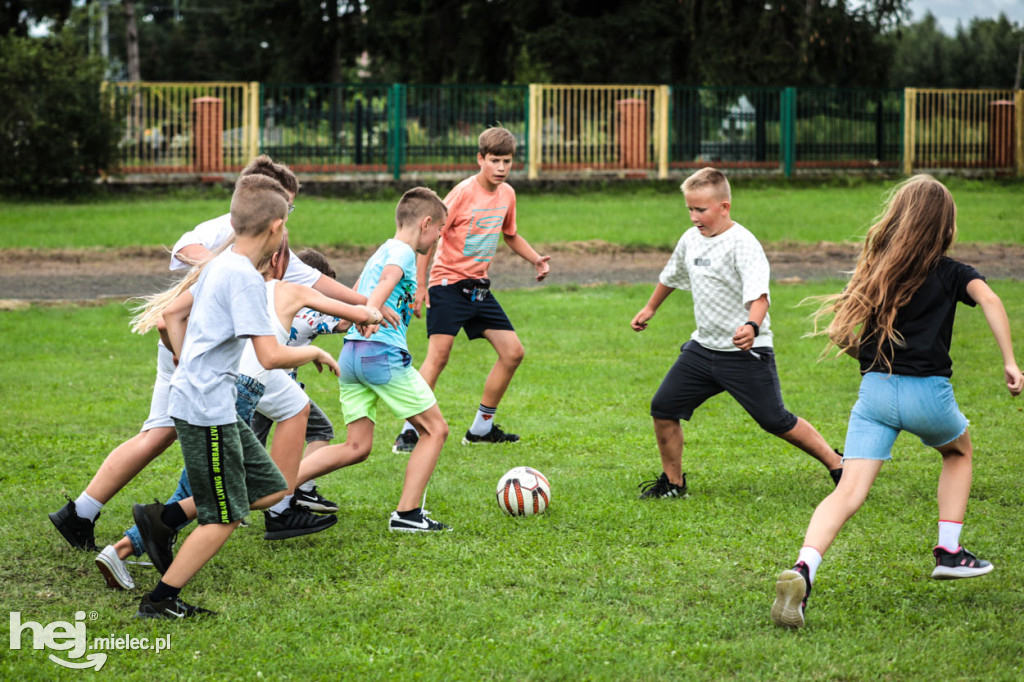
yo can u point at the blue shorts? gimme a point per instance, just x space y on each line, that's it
890 403
372 371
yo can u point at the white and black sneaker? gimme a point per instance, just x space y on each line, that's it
495 435
958 564
169 609
113 569
314 501
415 523
405 442
662 487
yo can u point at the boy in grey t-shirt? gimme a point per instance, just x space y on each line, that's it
724 266
230 471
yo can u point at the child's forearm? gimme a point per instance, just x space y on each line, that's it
338 291
522 248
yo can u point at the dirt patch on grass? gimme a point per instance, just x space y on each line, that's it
99 274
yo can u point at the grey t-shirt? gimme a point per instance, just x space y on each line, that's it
230 306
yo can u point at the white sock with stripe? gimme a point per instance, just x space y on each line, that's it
484 420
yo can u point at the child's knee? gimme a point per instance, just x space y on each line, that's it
514 357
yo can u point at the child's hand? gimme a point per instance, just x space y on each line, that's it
744 337
373 316
367 330
326 359
640 320
1014 380
422 299
391 318
543 267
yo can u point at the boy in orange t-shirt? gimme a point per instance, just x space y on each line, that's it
480 209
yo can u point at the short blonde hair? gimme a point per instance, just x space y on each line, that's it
258 201
708 178
498 141
418 203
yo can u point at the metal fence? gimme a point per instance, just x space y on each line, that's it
623 130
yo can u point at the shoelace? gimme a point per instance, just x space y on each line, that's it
656 484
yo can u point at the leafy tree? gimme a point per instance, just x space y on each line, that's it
19 16
56 134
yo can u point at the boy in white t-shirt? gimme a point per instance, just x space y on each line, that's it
229 470
724 266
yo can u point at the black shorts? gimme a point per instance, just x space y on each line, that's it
464 306
749 376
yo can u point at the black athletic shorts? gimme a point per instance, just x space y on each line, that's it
467 304
749 376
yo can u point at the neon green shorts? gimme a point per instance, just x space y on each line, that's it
372 371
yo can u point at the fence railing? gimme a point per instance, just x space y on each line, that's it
624 130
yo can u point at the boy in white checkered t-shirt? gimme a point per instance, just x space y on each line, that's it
724 266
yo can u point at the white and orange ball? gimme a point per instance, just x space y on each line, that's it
523 491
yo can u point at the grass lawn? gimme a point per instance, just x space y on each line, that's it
602 587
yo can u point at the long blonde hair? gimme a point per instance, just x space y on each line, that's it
151 307
916 229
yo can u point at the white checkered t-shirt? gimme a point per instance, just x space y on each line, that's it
726 273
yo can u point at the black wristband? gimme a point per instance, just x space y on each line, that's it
757 329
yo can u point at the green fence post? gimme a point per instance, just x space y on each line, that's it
788 130
396 133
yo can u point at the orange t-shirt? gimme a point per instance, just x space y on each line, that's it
476 220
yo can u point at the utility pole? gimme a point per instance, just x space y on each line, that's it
1020 66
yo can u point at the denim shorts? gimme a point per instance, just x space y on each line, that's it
890 403
372 371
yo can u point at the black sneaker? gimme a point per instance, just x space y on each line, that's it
959 564
157 537
836 474
76 530
792 588
662 487
422 524
314 501
495 435
170 609
293 522
405 442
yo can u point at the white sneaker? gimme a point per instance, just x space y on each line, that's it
423 524
113 569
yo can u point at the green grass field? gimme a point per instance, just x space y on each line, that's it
602 587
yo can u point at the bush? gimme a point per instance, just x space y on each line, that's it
56 135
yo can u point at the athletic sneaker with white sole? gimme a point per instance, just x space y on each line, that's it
792 588
958 564
420 523
314 501
113 569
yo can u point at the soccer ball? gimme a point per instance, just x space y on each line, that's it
523 491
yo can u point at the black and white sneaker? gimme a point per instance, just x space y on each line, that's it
314 501
76 530
662 487
157 537
418 524
405 442
169 609
294 522
958 564
495 435
792 588
113 569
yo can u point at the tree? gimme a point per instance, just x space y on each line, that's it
18 17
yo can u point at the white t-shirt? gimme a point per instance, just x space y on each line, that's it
726 274
250 365
215 232
230 306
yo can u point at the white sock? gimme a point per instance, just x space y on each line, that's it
484 420
409 427
949 535
812 558
308 486
87 508
281 506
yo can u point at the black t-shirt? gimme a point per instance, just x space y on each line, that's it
926 324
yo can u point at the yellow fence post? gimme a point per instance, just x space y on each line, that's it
252 125
535 143
909 129
662 96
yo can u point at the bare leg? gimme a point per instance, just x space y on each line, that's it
126 460
836 509
354 450
433 432
669 433
955 479
510 356
439 349
286 449
807 438
198 548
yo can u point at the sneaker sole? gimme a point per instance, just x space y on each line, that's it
70 539
466 441
418 530
316 507
955 572
298 532
789 593
113 581
145 530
